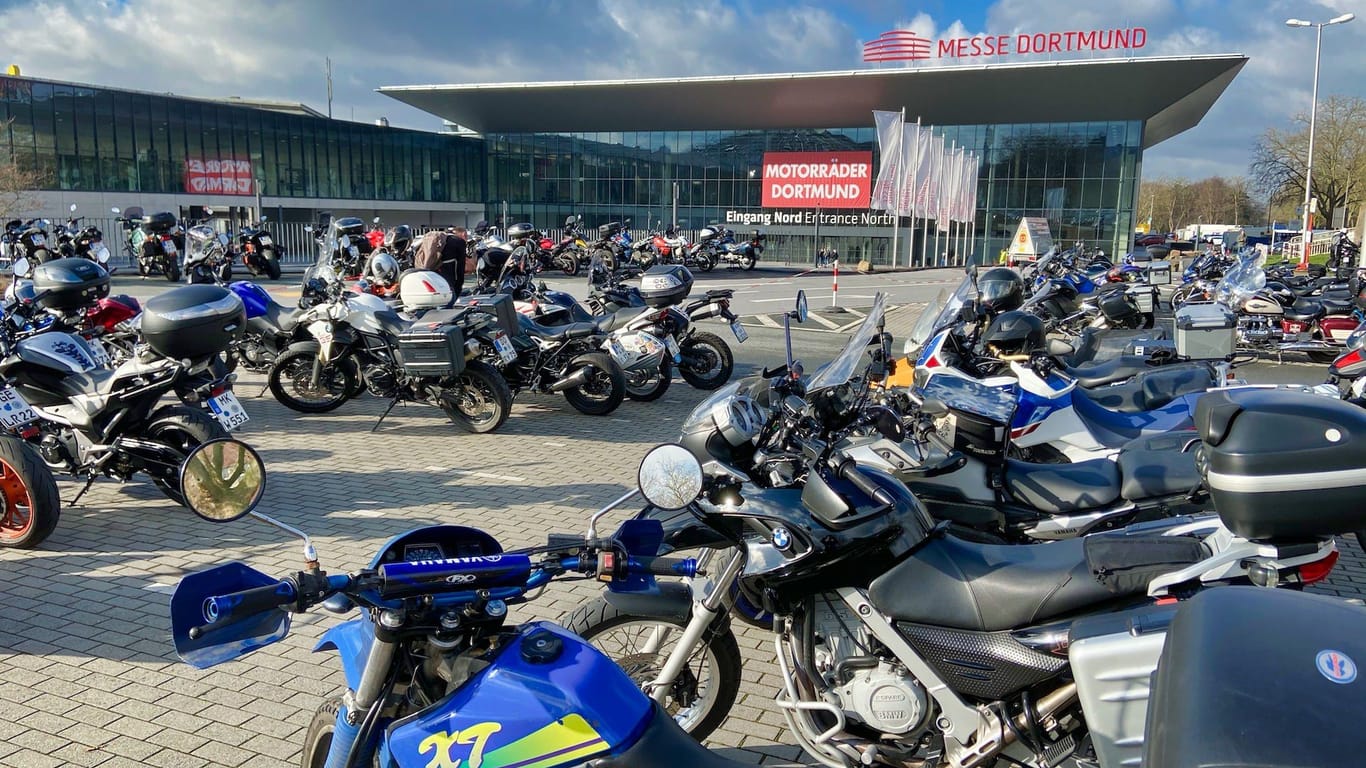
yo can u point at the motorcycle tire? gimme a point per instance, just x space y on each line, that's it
142 268
318 737
290 376
1149 319
31 503
595 622
714 353
488 386
748 262
172 273
569 265
182 429
604 393
272 265
646 388
706 263
225 274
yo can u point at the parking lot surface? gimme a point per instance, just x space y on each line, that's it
87 672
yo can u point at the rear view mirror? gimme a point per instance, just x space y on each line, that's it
73 208
21 267
264 218
933 407
375 220
115 210
670 477
222 480
208 211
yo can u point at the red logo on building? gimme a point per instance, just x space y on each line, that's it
218 177
897 45
817 179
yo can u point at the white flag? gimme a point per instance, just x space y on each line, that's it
910 147
890 165
973 174
927 174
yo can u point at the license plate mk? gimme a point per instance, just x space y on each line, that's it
228 411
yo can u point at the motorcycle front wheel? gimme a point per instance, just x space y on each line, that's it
569 264
29 492
707 361
478 400
748 262
291 381
604 390
650 386
702 696
318 737
706 262
182 429
172 272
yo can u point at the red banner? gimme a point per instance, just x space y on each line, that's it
218 177
817 179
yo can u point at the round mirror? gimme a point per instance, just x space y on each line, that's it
670 477
308 228
375 220
73 207
115 210
208 211
21 267
222 480
802 310
264 218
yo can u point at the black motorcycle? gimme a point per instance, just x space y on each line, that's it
260 253
357 344
30 240
154 243
95 420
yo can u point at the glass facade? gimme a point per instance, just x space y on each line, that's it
103 140
1082 177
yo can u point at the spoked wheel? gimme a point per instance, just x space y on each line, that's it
648 387
569 264
478 400
707 361
605 388
705 690
293 384
181 429
31 505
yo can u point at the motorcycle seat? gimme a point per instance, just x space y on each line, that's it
442 316
611 322
281 316
556 333
1305 311
1151 390
1109 371
1156 466
1059 489
1336 306
959 584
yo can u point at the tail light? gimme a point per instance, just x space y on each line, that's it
1351 358
1313 573
29 432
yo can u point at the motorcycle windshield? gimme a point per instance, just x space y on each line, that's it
944 309
840 370
322 268
1242 281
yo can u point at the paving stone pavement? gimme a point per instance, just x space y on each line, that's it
87 672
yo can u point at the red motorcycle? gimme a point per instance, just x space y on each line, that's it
1348 372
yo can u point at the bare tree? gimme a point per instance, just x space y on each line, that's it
1279 158
1175 203
17 185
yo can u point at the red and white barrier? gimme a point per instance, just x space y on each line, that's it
835 286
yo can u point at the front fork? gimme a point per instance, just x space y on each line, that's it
704 612
346 748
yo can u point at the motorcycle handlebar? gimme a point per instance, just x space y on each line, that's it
222 608
849 471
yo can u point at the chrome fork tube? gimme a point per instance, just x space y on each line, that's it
704 612
372 679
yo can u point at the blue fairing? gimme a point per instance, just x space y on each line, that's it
255 298
517 712
229 639
352 641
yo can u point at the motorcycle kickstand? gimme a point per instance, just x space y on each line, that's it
89 482
382 416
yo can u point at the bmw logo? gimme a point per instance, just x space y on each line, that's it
1337 666
782 539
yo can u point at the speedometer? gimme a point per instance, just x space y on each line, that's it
418 552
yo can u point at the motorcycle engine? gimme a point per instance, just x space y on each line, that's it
380 380
59 450
1260 330
873 687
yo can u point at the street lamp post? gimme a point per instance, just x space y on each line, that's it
1308 219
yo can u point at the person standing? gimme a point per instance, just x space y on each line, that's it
453 256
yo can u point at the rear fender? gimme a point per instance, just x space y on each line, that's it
351 640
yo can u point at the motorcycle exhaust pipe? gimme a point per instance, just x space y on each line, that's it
1311 346
576 379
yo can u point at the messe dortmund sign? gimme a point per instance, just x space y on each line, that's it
817 179
905 45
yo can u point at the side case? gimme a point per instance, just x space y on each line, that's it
548 700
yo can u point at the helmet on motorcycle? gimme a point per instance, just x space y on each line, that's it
399 238
1014 333
1000 290
481 228
384 268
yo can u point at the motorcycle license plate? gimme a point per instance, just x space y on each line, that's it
15 411
169 245
38 240
739 330
618 351
266 241
504 346
228 411
674 351
98 353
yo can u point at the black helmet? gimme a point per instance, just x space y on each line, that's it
1000 290
399 238
1015 333
482 227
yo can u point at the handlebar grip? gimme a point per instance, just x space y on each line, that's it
850 471
665 566
219 609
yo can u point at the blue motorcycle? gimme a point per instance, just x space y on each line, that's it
435 676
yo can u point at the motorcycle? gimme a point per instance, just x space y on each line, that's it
350 247
29 240
1348 371
359 343
260 253
208 259
742 255
568 254
1265 325
434 674
151 242
900 643
90 419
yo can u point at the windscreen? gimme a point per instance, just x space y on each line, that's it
1242 281
940 312
322 266
841 369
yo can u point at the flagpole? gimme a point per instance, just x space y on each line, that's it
910 206
896 203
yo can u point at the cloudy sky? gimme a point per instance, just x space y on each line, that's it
276 49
